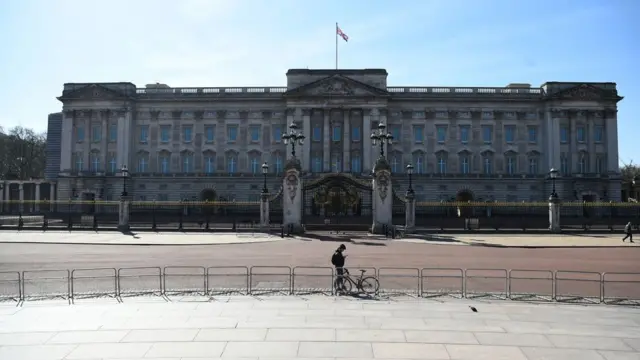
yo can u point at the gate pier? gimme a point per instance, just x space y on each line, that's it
382 199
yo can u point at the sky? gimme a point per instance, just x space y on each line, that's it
211 43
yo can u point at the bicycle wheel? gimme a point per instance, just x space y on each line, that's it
369 285
344 288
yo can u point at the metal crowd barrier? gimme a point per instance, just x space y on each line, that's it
515 284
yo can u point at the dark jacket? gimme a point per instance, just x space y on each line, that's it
337 259
627 228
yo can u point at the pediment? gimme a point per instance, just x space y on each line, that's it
91 92
585 92
336 85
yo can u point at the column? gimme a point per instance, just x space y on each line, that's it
7 192
382 118
264 211
123 215
66 141
346 140
289 114
21 198
104 133
554 215
591 145
326 143
37 196
88 138
306 131
573 141
611 129
124 138
410 213
367 165
553 139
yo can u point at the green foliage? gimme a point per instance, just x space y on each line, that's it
22 154
629 171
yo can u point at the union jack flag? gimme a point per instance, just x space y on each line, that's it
342 34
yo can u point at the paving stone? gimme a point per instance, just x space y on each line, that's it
634 343
36 352
301 335
186 349
355 335
160 335
589 342
482 352
30 338
539 353
231 335
620 355
109 350
335 350
513 339
440 337
409 351
83 337
261 349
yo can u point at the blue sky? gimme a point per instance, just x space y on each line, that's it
46 43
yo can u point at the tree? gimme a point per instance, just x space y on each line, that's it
22 154
629 171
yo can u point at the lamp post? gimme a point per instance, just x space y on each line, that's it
410 172
265 169
292 137
553 174
632 185
125 173
382 137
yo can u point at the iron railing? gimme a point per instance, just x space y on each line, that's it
514 284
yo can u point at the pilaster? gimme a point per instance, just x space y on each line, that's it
264 211
303 116
346 141
611 129
289 116
366 142
103 116
66 141
410 213
326 144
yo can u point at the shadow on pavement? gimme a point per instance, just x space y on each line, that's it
130 233
343 237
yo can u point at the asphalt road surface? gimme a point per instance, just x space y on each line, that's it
363 253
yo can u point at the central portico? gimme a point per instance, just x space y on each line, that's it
334 107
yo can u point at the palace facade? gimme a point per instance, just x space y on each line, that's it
474 143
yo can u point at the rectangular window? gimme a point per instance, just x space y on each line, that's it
165 133
113 133
209 164
564 165
487 133
599 165
317 164
509 134
564 135
580 134
232 133
418 134
164 164
441 133
533 134
113 164
355 164
210 133
187 134
464 134
79 133
395 132
144 134
355 134
255 133
96 133
599 133
317 133
337 133
277 133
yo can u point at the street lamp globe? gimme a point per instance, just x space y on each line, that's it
265 168
409 169
124 170
553 173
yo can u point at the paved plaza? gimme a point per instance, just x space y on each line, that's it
189 238
315 328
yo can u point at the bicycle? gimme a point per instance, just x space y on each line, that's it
368 285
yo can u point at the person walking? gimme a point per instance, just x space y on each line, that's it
629 232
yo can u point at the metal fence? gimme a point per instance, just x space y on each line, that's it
514 284
525 215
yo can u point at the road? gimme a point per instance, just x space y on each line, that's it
363 253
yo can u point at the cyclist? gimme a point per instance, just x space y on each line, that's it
338 261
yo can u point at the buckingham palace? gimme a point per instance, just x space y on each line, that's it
466 143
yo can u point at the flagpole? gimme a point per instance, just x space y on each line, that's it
336 46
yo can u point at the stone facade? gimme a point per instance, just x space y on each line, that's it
490 143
